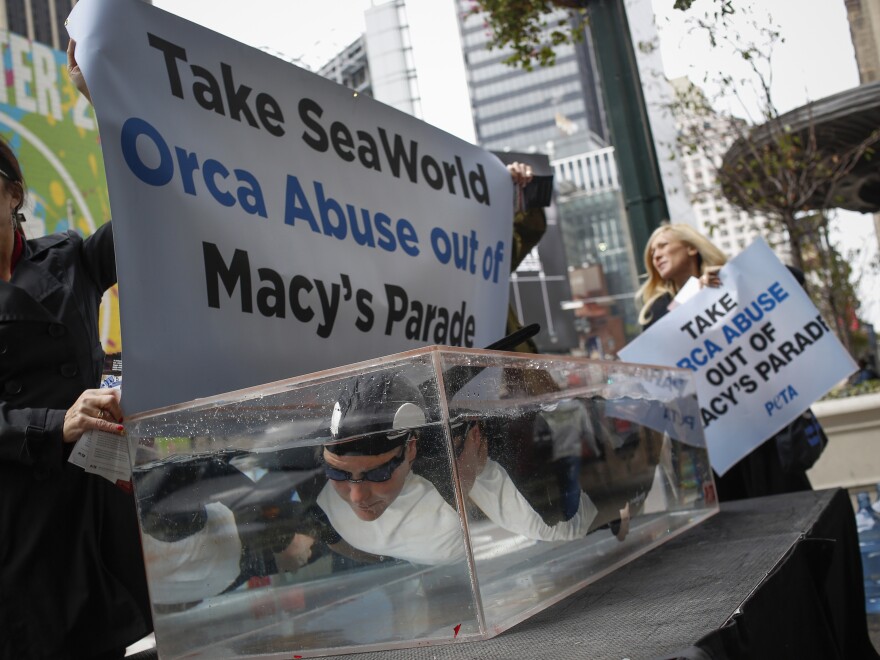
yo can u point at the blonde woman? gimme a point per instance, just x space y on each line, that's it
675 253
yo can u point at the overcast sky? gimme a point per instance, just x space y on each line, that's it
815 60
309 32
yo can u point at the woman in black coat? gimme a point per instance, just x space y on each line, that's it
72 581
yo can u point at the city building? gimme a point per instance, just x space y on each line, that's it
554 110
730 228
38 20
864 25
350 68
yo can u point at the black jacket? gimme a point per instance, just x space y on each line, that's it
658 310
71 571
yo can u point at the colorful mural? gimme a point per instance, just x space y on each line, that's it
52 128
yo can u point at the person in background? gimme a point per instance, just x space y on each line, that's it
865 373
674 254
529 226
566 426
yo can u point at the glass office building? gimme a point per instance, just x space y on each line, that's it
559 111
39 20
531 110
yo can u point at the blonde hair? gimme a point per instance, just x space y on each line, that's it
655 286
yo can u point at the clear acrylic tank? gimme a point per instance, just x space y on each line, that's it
436 496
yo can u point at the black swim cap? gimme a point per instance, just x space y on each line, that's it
378 413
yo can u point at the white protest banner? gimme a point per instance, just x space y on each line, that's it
269 222
759 350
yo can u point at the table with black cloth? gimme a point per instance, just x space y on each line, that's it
771 577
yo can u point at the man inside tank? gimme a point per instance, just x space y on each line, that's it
376 501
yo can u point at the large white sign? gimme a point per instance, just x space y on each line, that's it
759 349
270 223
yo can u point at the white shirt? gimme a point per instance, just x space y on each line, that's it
419 526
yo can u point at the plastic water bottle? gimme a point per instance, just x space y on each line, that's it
876 505
865 516
869 546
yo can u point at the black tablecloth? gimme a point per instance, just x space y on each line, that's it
773 577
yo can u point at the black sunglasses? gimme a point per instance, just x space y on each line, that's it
377 474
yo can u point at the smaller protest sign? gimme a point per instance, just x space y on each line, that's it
759 350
